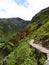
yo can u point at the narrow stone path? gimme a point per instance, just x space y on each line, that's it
41 49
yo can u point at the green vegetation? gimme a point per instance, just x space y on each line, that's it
9 28
17 50
23 54
40 25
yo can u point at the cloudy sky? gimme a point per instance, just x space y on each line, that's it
24 9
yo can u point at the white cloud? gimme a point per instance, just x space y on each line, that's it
8 8
37 5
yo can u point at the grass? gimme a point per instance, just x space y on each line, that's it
23 54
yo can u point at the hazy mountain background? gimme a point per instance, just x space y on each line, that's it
11 26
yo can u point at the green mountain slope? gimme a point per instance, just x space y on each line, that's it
18 50
40 27
9 27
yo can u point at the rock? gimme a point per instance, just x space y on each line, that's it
46 62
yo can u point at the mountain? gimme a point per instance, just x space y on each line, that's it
40 27
9 27
17 50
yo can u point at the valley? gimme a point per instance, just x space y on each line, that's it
18 47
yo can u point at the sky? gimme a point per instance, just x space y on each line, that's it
24 9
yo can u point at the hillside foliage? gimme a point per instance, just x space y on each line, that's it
17 50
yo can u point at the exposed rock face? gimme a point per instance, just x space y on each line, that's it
46 62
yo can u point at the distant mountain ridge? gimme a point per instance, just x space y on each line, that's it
11 26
